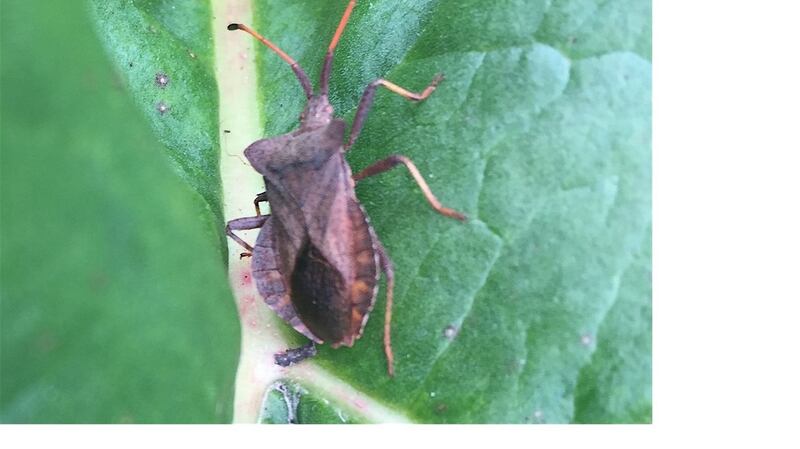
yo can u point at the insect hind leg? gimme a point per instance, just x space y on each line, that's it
388 269
295 355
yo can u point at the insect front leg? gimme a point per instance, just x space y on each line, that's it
260 198
243 224
369 96
388 269
395 159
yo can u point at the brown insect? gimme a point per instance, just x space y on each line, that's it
317 259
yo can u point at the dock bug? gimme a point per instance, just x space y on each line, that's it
317 259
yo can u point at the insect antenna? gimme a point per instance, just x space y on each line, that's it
326 65
301 75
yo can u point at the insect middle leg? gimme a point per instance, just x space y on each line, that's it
243 224
395 159
369 96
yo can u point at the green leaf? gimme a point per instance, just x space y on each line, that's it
151 38
114 301
615 386
535 310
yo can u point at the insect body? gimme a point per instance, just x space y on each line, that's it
317 259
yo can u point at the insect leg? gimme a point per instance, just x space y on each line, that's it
301 75
369 96
295 355
395 159
241 224
260 198
388 270
326 65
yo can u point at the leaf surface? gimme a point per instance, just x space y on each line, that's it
115 307
537 309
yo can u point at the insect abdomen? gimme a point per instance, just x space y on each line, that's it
317 287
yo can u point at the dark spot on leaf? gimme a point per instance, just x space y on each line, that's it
162 80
